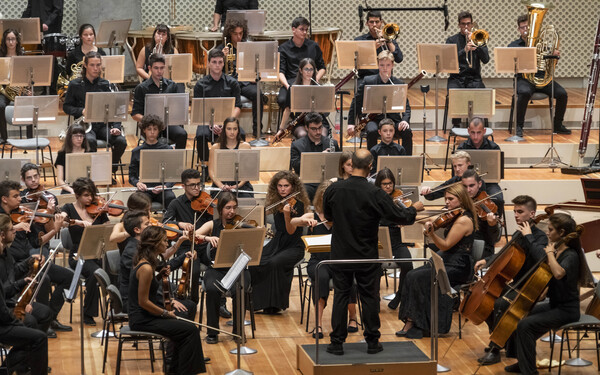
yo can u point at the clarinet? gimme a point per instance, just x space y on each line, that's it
590 98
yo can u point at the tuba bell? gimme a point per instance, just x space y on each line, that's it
545 40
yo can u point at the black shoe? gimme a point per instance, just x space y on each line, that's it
401 333
414 333
352 329
519 131
271 311
206 359
489 358
318 330
50 333
395 302
374 347
89 321
57 326
224 313
561 130
335 348
212 339
514 368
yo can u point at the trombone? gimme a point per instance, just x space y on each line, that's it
388 33
479 37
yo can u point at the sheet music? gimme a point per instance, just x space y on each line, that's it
70 293
317 240
236 269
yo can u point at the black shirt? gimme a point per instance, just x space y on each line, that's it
290 56
6 316
222 6
20 249
76 231
12 275
356 207
564 293
125 266
77 55
478 56
385 149
357 102
225 87
50 13
398 57
485 145
304 144
149 87
75 98
134 164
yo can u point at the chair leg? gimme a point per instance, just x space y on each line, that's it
193 154
303 299
597 351
552 333
300 280
105 354
447 152
119 351
151 349
561 349
200 313
510 120
445 122
310 296
251 307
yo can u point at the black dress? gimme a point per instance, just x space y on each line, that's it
185 336
416 291
272 279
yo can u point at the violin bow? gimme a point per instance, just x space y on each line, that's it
271 206
244 218
444 187
51 255
44 190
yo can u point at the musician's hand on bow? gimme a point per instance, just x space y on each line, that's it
178 305
83 223
350 130
480 264
418 205
425 190
428 228
24 226
185 226
28 308
51 204
226 187
524 228
403 125
59 221
287 208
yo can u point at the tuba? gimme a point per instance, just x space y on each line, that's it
546 42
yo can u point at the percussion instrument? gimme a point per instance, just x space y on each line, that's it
199 44
55 44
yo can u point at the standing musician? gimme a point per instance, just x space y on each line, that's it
230 139
567 264
355 207
222 6
210 232
162 44
385 60
156 84
526 89
375 23
214 85
29 346
272 279
75 106
87 37
455 250
85 193
292 52
313 141
533 241
146 314
470 58
50 13
150 127
75 143
387 146
237 31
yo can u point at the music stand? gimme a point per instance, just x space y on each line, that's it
254 18
29 28
96 166
408 170
490 162
237 165
232 244
162 166
172 109
112 33
179 67
384 99
438 58
316 167
355 55
385 252
262 58
10 169
113 68
33 110
440 280
106 107
471 102
312 98
515 60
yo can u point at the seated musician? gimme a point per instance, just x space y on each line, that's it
292 51
385 60
22 250
75 106
313 141
75 143
148 315
230 139
470 58
387 146
85 193
568 266
156 84
344 166
533 241
87 37
455 250
162 44
222 6
477 139
214 85
375 23
489 228
29 346
136 201
237 31
526 89
209 232
150 127
272 279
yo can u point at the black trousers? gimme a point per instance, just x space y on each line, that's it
178 135
29 349
373 134
463 83
117 143
213 297
525 90
40 318
248 90
367 281
204 138
91 139
92 293
61 278
169 196
283 93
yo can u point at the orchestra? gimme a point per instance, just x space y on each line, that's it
171 230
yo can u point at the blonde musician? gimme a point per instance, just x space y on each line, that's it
162 44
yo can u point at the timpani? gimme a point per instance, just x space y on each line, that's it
199 44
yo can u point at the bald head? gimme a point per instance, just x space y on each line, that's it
361 162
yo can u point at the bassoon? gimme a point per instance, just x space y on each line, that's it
590 97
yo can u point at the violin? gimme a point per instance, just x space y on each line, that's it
400 198
446 218
204 202
166 289
239 222
184 282
484 205
100 205
24 215
173 230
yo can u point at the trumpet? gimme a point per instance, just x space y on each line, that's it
230 58
479 38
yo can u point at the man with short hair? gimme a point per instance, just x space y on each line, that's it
387 146
461 161
477 139
156 84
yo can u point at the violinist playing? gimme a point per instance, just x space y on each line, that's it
567 263
533 241
455 250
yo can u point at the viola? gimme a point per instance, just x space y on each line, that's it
183 287
400 198
204 203
100 205
484 205
239 222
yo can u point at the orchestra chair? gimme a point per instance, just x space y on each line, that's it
588 323
29 144
108 317
463 289
112 261
10 109
536 96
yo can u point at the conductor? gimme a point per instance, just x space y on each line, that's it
355 207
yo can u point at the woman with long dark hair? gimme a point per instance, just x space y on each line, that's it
75 143
162 43
87 38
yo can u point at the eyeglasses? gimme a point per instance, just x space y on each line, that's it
387 184
78 136
11 39
315 129
193 186
309 69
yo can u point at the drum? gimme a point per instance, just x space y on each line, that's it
55 45
199 44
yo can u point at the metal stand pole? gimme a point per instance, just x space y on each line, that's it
577 362
426 157
36 113
436 137
355 139
515 138
259 141
81 327
241 349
